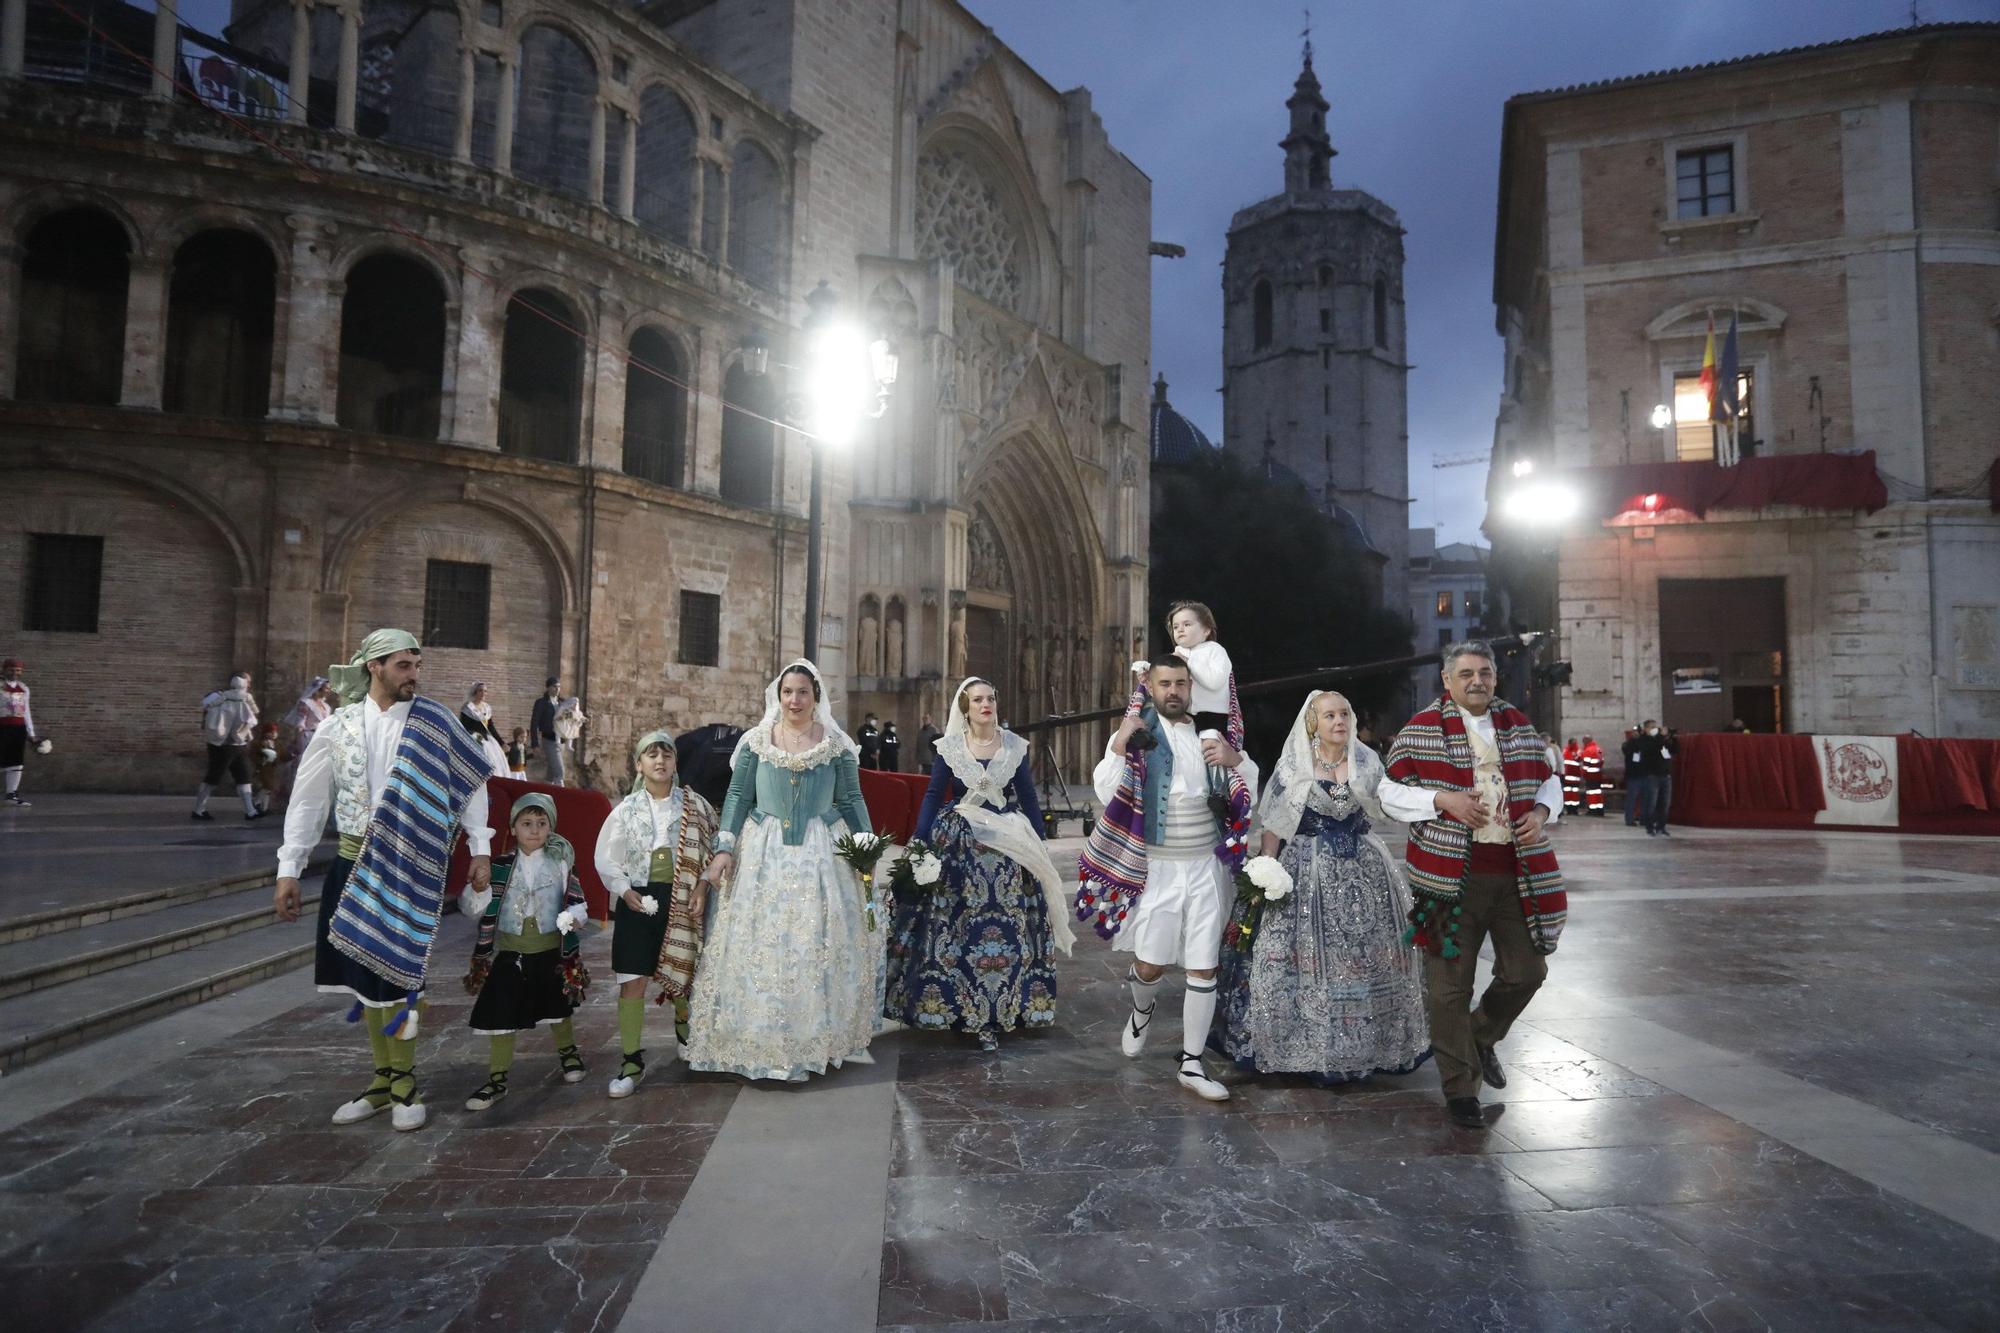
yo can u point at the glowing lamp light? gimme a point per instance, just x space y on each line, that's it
1663 416
840 381
1545 502
1523 466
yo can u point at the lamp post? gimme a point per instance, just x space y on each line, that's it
847 381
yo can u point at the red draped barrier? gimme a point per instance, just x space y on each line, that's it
580 813
894 799
1828 482
1729 780
1949 786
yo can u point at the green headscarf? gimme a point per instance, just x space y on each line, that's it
661 736
350 679
557 847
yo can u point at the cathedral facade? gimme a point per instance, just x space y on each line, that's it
484 319
1314 371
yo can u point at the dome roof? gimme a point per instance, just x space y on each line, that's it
1175 439
1344 520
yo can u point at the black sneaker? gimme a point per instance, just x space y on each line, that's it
1489 1065
14 798
1465 1112
202 815
256 815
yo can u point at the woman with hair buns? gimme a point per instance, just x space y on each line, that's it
790 975
975 954
1325 985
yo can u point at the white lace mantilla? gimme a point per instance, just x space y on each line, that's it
767 752
985 784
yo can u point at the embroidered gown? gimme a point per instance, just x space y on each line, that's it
790 976
1327 987
976 952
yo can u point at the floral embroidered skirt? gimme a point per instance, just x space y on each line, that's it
790 975
975 952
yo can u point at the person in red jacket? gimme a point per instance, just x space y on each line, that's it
1591 756
1572 773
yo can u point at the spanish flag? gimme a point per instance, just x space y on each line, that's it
1708 374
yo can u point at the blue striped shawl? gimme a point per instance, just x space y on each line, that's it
388 913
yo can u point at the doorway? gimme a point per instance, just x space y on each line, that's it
1722 653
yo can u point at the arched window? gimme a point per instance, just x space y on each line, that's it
1260 313
756 215
1326 275
557 89
392 348
221 306
409 91
665 176
74 269
541 377
1381 312
747 437
655 409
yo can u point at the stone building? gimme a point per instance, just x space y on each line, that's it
1838 203
1314 377
1448 600
484 318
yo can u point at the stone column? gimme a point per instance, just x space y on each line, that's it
166 44
468 94
475 419
10 300
594 173
350 69
704 472
312 329
145 334
503 129
299 71
628 168
604 446
13 38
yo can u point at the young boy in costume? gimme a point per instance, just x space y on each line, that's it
650 856
527 967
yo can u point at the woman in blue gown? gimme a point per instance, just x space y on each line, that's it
975 952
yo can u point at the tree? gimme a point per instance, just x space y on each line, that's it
1289 591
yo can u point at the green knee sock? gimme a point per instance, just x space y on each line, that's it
631 1022
501 1057
681 1018
378 1046
564 1033
403 1060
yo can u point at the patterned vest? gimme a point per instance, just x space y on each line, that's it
347 731
633 818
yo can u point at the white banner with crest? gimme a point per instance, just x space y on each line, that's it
1857 775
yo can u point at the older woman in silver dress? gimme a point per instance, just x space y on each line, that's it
1325 985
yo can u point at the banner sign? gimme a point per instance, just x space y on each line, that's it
1857 775
227 84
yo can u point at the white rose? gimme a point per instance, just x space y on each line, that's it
1141 667
649 905
926 868
1270 878
566 923
43 747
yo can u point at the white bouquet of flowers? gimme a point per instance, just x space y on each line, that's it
568 922
1273 881
44 745
862 851
917 872
649 904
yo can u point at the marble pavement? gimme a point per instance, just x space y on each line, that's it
1759 1092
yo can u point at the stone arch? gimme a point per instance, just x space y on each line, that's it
526 616
222 302
977 206
393 317
179 228
76 265
749 440
892 310
351 250
756 213
542 375
664 176
656 406
558 83
33 208
338 564
1690 318
523 16
172 567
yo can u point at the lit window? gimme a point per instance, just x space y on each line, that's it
1444 605
1705 182
1695 434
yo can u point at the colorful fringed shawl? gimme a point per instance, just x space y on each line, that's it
576 978
680 948
1112 868
1434 753
388 913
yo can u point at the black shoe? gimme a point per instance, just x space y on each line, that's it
1465 1112
1489 1065
14 798
255 815
202 815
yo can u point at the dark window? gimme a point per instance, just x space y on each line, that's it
1444 636
1326 358
1325 321
1381 312
1326 398
1705 182
701 629
220 316
456 598
655 409
1325 276
749 441
489 12
1472 607
72 309
65 576
541 377
392 323
1260 314
1327 442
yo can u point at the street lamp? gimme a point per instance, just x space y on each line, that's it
847 381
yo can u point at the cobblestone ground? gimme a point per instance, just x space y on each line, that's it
1753 1095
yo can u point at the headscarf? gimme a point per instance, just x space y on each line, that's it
822 714
955 722
482 711
557 847
313 687
658 736
350 679
1284 800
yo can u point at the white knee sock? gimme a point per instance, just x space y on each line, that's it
13 780
249 805
201 798
1197 1013
1142 991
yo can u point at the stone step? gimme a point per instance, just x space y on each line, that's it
44 961
41 1022
99 911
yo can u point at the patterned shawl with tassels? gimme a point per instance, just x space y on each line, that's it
388 913
485 947
680 948
1434 753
